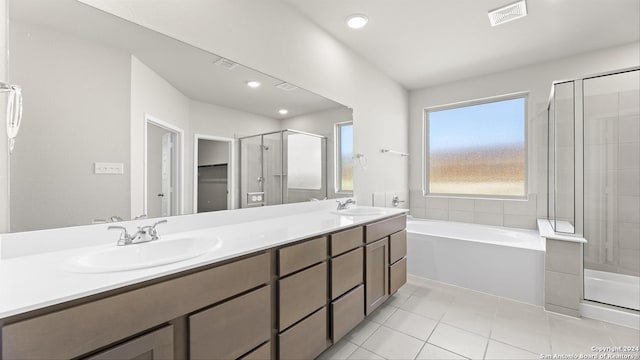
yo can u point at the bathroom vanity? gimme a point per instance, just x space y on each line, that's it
290 297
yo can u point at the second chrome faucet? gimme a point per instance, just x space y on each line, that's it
144 234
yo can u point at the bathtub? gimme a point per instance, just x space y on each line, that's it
506 262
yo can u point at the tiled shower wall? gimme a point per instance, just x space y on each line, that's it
612 180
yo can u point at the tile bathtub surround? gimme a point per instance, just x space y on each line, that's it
430 320
496 212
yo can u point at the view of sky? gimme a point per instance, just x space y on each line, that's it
489 124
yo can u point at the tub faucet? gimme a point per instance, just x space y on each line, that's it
144 234
342 205
396 201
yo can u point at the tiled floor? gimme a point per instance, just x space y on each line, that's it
430 320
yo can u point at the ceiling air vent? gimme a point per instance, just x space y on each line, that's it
508 13
226 63
286 86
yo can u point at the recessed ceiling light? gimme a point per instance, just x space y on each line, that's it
508 13
253 84
357 21
283 111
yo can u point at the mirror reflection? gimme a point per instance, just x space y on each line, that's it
121 122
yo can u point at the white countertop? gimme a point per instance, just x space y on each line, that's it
38 280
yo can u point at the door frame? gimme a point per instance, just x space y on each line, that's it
231 201
178 157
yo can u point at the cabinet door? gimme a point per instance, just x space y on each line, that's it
153 346
377 280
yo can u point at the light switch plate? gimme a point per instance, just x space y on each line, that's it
102 168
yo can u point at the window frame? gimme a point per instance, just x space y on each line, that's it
491 99
337 168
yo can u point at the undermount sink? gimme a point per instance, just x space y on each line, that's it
144 255
359 211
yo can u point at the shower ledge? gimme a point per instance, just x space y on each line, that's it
546 231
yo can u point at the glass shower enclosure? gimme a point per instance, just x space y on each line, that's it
594 181
282 167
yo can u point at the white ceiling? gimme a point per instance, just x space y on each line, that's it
421 43
189 69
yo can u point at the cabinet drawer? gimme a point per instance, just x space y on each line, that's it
299 256
231 329
346 272
386 227
347 312
397 275
307 339
397 246
261 353
301 294
83 328
344 241
156 345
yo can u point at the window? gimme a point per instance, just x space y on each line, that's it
344 157
304 162
477 148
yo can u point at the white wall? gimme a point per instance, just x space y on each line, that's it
212 152
537 80
153 95
4 153
82 94
271 37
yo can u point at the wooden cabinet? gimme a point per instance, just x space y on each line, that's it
377 274
397 260
301 294
302 300
347 281
346 240
397 275
263 352
346 272
287 302
386 246
295 257
86 326
305 340
397 246
348 311
156 345
233 328
383 228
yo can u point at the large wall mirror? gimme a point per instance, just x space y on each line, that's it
121 122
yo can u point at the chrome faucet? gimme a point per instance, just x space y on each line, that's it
342 205
144 234
396 201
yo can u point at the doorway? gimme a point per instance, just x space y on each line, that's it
213 173
163 168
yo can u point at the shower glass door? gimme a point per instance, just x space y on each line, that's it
612 189
251 177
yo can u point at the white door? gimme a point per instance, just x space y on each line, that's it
167 183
